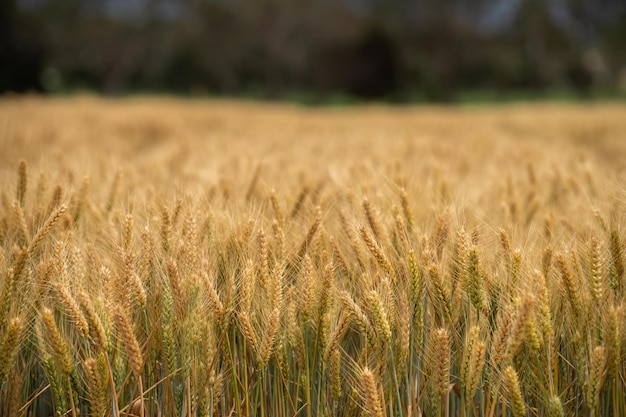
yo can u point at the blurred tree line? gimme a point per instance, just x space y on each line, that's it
382 49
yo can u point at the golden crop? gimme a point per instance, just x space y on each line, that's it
193 258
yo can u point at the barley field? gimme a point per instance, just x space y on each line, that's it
161 257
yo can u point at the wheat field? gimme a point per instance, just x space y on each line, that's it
161 257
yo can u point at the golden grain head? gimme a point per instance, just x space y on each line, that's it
307 261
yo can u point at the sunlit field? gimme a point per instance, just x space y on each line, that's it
214 258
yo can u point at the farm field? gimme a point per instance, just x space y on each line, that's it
161 257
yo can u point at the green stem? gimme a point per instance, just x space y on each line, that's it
395 381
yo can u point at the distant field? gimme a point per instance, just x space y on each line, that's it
211 258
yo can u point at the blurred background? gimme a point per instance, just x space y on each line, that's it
317 50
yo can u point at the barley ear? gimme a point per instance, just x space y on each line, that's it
72 309
374 222
511 383
377 252
406 210
47 227
278 211
56 341
595 379
545 316
475 279
129 341
554 407
335 337
416 295
335 373
499 340
546 261
246 286
22 181
520 327
82 199
570 284
215 303
57 388
470 343
22 227
380 316
96 328
263 260
440 234
112 192
311 233
165 229
249 333
369 391
299 201
613 335
253 182
616 266
266 347
441 297
96 387
358 317
127 232
15 387
9 346
475 373
440 349
305 283
595 272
